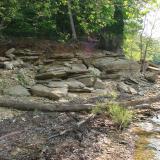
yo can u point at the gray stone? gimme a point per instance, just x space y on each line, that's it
50 93
51 74
132 90
57 84
88 55
55 67
72 85
8 65
26 52
62 55
16 91
122 87
94 71
76 86
141 93
111 64
12 64
77 69
3 59
103 92
151 76
11 56
99 84
87 80
111 76
10 51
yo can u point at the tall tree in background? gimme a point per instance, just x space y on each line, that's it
105 19
145 46
71 20
112 36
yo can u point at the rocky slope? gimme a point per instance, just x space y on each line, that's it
66 75
77 77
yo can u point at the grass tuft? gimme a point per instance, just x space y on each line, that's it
121 116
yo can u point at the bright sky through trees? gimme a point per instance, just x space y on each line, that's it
152 20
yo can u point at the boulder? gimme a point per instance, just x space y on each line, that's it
16 91
111 64
87 80
50 93
3 59
26 52
12 64
151 76
51 75
57 84
54 67
77 69
87 55
94 71
10 51
76 86
8 65
122 87
111 76
72 85
62 55
99 84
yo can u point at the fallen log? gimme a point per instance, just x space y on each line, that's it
136 102
153 65
153 69
26 105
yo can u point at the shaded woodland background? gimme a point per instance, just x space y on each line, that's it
114 25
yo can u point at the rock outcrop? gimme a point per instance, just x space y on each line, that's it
60 74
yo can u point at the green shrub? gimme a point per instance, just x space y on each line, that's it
120 115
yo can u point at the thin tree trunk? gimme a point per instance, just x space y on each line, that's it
71 21
144 54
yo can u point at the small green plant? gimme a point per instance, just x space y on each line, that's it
113 94
120 115
22 80
99 108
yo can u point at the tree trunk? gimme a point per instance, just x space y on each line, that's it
111 38
71 21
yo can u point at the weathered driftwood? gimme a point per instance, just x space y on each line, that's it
154 69
27 105
153 65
